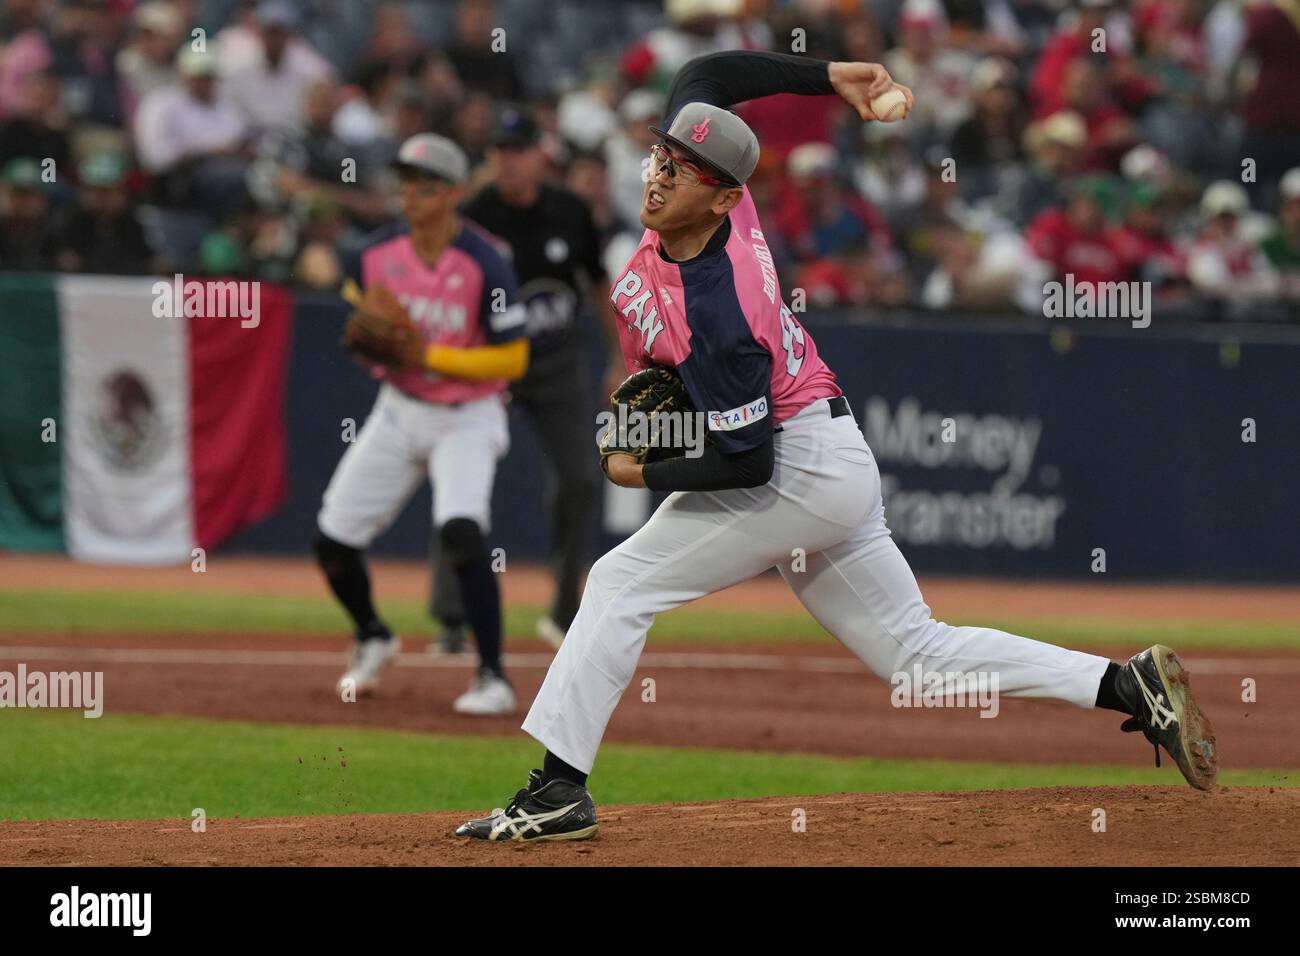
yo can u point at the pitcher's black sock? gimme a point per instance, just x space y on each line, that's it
345 569
1107 694
553 768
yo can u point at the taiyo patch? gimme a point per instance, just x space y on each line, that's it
738 417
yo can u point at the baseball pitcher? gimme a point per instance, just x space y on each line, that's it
785 472
438 322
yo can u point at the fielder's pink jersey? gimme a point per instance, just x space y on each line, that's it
718 319
465 299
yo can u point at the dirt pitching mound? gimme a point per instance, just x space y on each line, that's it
1240 826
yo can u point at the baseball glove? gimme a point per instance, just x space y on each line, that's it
640 427
380 331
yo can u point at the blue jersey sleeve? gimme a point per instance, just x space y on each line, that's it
503 316
728 373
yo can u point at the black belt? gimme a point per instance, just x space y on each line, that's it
839 406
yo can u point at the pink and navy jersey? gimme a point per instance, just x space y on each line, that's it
467 298
718 319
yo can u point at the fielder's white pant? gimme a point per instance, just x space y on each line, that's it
824 498
403 440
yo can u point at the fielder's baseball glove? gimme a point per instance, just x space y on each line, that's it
640 427
380 331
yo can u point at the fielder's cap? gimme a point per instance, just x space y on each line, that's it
715 136
23 172
515 130
1290 185
192 62
433 155
1222 197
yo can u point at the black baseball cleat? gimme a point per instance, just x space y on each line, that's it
558 810
1155 686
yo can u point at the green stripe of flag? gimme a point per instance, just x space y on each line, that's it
31 507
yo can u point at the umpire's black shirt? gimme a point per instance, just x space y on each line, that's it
555 251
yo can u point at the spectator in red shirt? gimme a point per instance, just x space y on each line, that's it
1047 86
1110 133
1271 110
1078 241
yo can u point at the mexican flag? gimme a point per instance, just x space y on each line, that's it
140 418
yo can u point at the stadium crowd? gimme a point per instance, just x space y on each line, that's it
1157 140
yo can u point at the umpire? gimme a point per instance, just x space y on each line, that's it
555 250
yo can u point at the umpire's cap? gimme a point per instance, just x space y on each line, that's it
432 155
716 136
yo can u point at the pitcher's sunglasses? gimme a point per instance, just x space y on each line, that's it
681 171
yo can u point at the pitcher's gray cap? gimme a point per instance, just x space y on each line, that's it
716 136
433 155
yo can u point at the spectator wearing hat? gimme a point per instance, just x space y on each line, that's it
627 153
1225 264
816 216
101 232
1150 246
937 73
192 141
267 81
1056 148
26 238
889 175
148 60
1283 247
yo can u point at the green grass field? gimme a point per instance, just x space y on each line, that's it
121 766
133 612
60 765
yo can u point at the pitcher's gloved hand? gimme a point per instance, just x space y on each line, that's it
380 331
640 428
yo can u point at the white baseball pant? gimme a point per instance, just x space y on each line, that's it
824 498
403 440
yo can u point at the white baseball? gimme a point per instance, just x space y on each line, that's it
890 107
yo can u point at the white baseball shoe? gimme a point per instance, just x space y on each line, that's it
489 695
367 662
550 632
